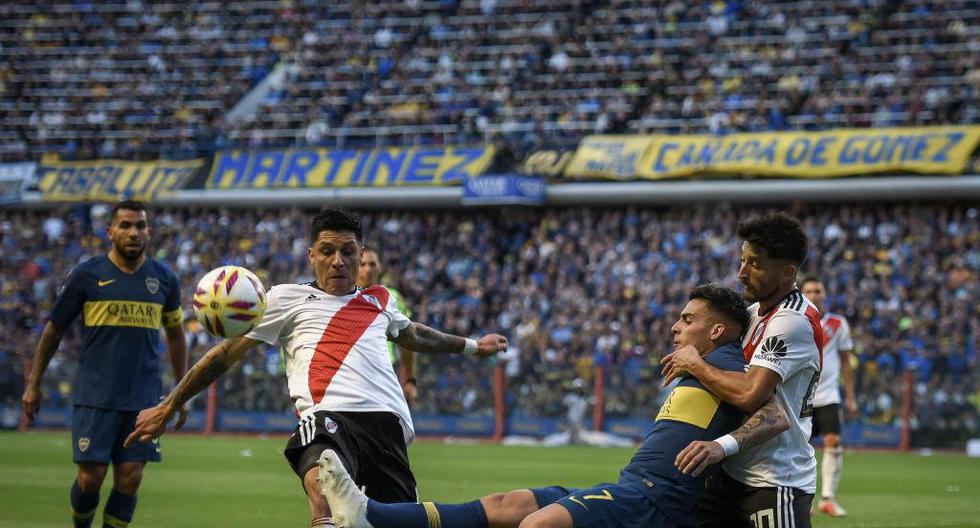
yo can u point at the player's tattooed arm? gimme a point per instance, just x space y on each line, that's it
209 368
421 338
763 425
152 422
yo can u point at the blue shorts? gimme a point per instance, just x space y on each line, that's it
614 506
97 435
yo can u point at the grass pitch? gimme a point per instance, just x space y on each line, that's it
244 481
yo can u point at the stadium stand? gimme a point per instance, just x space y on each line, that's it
143 80
572 288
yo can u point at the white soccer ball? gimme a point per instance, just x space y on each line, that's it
229 301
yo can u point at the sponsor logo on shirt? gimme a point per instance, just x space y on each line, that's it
106 282
312 298
773 350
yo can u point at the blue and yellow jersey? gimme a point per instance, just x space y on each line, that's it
689 413
122 313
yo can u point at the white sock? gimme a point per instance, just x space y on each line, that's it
322 522
833 459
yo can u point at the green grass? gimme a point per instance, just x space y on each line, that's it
211 482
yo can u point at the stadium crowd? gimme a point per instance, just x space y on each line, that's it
572 288
125 78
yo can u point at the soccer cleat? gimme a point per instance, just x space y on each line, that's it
831 508
348 505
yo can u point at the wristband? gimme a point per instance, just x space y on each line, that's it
412 380
728 444
470 348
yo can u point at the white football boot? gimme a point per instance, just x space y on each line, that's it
348 505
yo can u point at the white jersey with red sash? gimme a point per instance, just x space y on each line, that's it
336 349
788 340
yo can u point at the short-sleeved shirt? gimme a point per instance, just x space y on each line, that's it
336 349
836 339
786 339
122 313
688 414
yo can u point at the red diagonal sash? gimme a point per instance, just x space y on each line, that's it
340 335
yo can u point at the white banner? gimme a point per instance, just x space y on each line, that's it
14 178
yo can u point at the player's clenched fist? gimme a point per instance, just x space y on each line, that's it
491 345
698 456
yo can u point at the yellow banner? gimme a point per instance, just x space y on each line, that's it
607 157
318 167
110 180
830 153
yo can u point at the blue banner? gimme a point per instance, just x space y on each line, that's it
318 167
504 189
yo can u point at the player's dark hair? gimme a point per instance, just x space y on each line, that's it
335 220
725 301
780 234
372 249
810 278
129 205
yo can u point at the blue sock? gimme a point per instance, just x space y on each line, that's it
83 506
118 510
426 515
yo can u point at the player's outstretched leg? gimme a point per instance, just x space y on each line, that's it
351 508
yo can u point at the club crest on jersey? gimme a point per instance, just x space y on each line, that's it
773 350
83 444
330 425
152 284
374 301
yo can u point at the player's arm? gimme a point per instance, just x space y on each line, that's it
421 338
152 422
177 350
767 422
847 375
747 391
46 347
408 374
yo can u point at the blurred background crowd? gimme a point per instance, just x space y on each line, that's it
571 288
140 80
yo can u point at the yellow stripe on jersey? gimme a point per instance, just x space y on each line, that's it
432 515
173 317
123 313
691 405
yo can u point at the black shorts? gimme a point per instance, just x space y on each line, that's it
370 444
727 503
826 420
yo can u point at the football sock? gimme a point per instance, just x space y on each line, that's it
83 506
833 459
119 510
322 522
426 515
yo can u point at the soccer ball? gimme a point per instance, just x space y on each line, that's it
229 301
